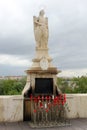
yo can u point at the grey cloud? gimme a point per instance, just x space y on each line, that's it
8 70
67 31
16 46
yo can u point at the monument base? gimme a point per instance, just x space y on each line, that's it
50 124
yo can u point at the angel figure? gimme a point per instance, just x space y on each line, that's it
41 30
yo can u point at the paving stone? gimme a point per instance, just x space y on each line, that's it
77 124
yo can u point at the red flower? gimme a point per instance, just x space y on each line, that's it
41 105
63 102
31 97
49 97
56 98
46 110
42 97
35 99
35 111
55 101
38 97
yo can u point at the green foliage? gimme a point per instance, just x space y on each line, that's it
74 85
12 87
15 87
82 83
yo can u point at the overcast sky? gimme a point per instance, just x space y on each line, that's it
67 35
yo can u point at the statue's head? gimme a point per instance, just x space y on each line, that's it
42 13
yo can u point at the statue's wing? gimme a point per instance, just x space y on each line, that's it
35 19
36 29
46 22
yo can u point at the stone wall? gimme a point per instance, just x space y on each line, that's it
11 107
78 105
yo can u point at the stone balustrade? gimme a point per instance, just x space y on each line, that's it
78 105
12 108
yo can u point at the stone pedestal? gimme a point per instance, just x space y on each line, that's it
42 66
41 52
35 71
41 76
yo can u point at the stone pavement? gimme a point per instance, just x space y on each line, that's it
77 124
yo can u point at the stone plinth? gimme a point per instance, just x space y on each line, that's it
40 53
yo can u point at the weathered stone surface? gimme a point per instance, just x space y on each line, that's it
78 105
41 30
42 65
77 124
11 108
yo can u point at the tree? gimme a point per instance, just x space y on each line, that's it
80 85
12 87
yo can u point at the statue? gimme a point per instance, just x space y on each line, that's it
41 30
